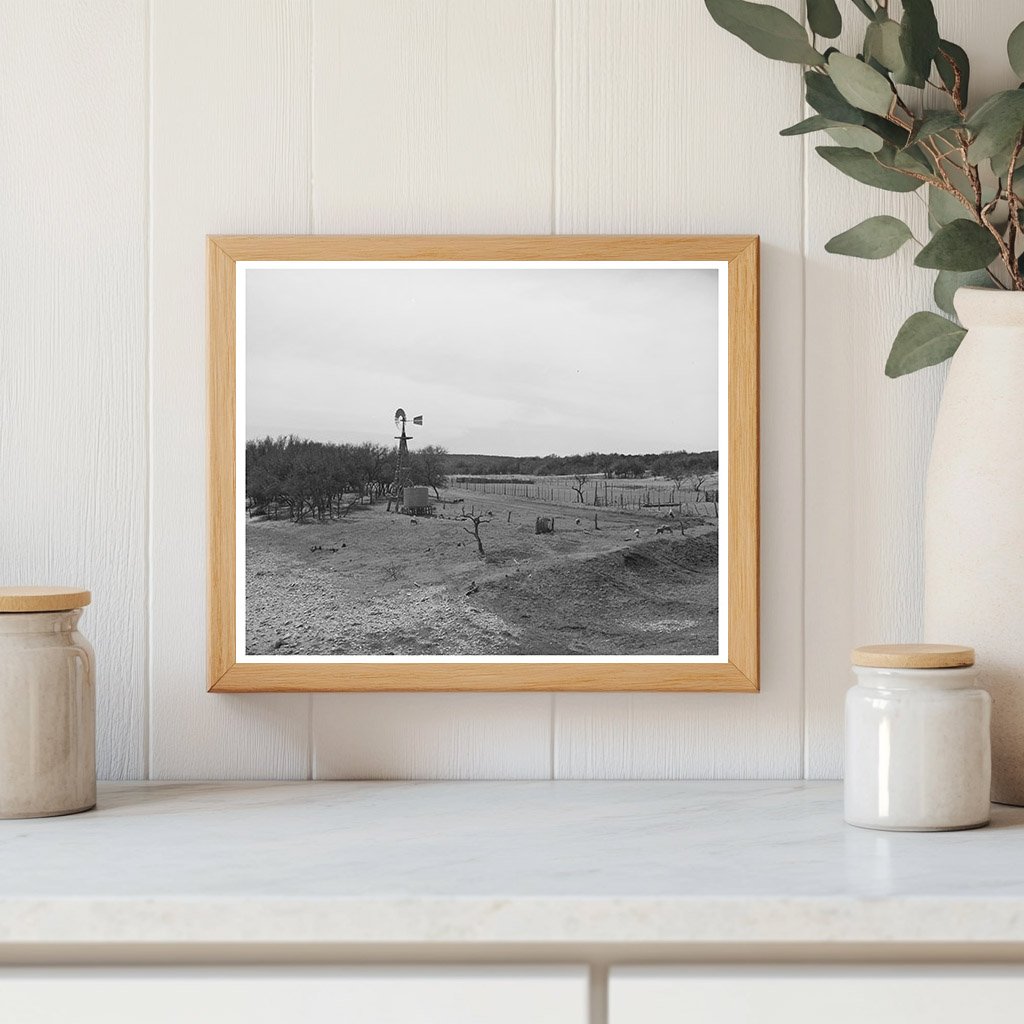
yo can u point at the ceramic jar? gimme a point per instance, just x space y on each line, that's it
918 751
47 704
974 529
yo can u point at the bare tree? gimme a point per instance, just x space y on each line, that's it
475 532
698 483
581 482
678 482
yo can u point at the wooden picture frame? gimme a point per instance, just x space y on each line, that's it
737 671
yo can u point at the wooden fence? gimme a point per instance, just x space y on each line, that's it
596 494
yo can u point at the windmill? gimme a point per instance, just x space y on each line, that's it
403 439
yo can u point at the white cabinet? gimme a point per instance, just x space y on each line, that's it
372 995
812 995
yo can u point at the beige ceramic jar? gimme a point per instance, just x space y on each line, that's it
47 704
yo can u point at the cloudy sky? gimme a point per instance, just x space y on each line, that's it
497 361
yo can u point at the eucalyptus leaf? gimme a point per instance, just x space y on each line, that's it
892 133
817 123
996 125
1015 50
853 136
907 76
824 18
919 36
860 85
934 122
864 167
926 339
825 98
882 44
1001 161
943 208
912 159
872 239
947 282
949 56
850 135
766 29
960 245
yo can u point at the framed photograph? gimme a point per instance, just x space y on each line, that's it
483 463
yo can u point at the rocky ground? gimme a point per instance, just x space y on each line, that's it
377 583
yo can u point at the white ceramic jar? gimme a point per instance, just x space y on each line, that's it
918 749
47 704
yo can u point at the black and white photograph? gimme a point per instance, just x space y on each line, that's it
481 460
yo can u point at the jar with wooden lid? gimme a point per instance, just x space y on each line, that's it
918 750
47 704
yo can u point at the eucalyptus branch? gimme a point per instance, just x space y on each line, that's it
1013 203
902 105
908 50
956 92
1004 250
950 154
974 178
937 158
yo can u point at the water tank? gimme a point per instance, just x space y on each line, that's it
416 497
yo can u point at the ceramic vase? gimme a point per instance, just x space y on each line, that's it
974 517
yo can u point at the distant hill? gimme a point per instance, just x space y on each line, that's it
668 464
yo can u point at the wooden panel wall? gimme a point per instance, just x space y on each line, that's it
132 129
432 117
230 154
646 128
73 306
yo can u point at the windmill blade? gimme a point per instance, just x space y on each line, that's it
418 419
399 417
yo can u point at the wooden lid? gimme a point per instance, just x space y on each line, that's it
42 599
913 656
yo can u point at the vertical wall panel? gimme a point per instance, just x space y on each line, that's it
432 117
667 124
230 151
868 437
73 332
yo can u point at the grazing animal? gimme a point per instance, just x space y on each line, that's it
578 521
664 529
414 522
545 524
636 533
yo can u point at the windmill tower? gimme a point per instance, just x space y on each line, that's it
403 467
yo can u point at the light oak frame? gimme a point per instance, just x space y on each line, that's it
739 674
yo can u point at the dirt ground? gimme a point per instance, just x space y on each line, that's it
380 583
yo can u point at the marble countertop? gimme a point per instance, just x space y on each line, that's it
500 862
